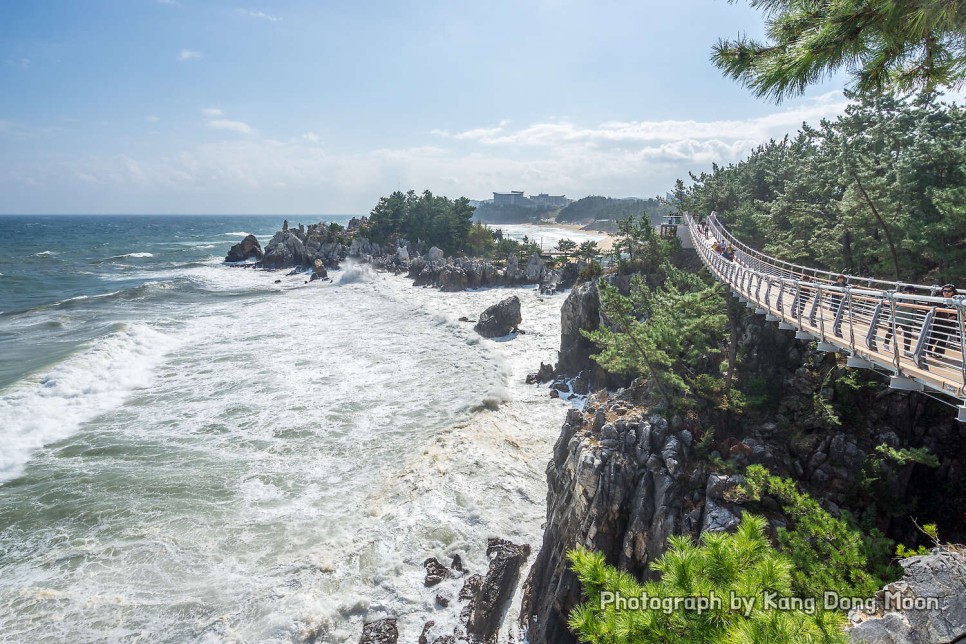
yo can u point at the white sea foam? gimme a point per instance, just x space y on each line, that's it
45 253
298 464
136 255
50 407
237 234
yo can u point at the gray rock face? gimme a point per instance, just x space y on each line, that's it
382 632
489 603
940 576
247 248
286 250
615 487
536 269
500 319
581 310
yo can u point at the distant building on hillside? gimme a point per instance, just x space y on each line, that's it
517 198
553 201
512 198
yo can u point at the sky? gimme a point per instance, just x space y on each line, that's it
324 106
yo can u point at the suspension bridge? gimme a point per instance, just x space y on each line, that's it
913 333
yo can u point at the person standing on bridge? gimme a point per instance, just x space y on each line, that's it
943 325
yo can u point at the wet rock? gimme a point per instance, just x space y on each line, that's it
488 606
286 250
500 319
383 631
424 637
435 572
247 248
471 587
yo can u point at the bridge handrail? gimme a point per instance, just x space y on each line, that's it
865 315
723 234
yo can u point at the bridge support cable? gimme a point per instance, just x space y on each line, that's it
905 329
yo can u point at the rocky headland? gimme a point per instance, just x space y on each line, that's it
310 248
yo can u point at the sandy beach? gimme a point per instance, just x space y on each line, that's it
605 241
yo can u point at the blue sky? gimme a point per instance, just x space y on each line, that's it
184 106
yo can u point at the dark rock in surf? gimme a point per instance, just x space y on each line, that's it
500 319
286 250
247 248
383 631
435 572
489 603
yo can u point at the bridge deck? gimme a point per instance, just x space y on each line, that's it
925 332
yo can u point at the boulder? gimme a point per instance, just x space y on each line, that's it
535 270
580 311
927 605
383 631
318 271
286 250
500 319
452 279
247 248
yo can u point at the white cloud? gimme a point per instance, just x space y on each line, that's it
187 54
259 14
253 173
151 118
233 126
171 3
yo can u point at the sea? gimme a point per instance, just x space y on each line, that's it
195 452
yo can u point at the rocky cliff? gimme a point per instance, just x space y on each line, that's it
623 478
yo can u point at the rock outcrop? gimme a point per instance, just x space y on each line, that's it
246 249
927 605
619 484
500 319
581 310
489 596
286 250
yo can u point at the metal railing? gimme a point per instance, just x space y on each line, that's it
912 330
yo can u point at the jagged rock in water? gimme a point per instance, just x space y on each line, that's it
616 487
535 269
513 273
435 572
318 271
286 250
940 575
383 631
489 604
452 279
500 319
245 249
363 248
581 310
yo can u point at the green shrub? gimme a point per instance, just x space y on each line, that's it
829 553
742 570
